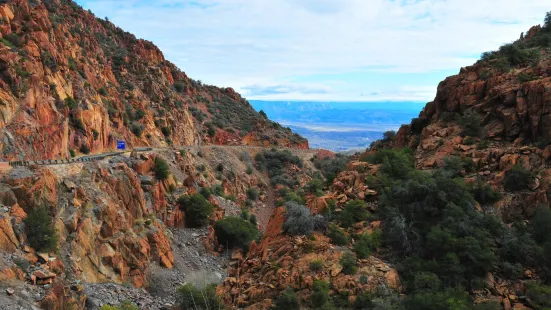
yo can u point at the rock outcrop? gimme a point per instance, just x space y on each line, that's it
74 83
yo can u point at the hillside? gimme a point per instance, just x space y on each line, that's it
74 83
450 212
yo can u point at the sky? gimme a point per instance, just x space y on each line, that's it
324 50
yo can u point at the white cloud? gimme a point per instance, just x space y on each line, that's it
250 45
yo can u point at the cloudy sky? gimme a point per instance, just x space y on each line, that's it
330 50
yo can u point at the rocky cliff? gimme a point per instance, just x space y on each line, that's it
74 83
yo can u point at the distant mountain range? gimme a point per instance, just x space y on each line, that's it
340 126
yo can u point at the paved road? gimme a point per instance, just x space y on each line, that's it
101 156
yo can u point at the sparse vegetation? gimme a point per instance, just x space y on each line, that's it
190 297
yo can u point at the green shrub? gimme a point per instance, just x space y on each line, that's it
179 87
367 243
354 211
363 301
484 193
197 210
439 300
337 235
484 144
348 263
84 149
72 153
263 114
315 187
206 192
471 123
235 232
95 133
137 129
252 194
320 296
275 161
103 91
140 114
539 294
126 305
40 229
517 179
316 265
249 170
330 167
288 300
166 131
71 103
469 141
190 297
541 225
162 171
389 135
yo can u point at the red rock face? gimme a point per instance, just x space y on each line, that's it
71 81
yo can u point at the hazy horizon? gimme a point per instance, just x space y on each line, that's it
340 126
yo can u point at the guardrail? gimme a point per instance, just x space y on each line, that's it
90 158
84 159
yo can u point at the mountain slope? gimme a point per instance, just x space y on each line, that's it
450 212
72 82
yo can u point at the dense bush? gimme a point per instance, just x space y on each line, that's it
348 263
367 243
484 193
320 296
191 297
316 265
517 179
205 192
389 135
288 300
299 220
166 131
197 210
418 124
84 149
471 123
430 220
161 169
354 211
539 294
337 235
40 229
71 103
252 194
454 166
315 187
235 232
137 129
275 161
330 167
